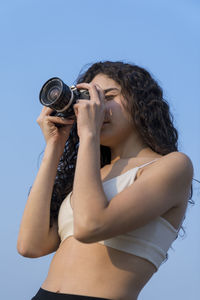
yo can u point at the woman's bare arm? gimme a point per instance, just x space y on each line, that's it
35 237
34 228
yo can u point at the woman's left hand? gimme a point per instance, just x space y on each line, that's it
90 113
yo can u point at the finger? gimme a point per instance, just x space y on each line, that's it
81 102
101 93
46 111
94 95
59 120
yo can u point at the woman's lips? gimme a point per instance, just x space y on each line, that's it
105 123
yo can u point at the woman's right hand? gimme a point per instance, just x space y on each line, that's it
53 134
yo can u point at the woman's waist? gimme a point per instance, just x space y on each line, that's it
72 252
94 264
90 284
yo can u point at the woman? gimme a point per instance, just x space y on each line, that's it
131 188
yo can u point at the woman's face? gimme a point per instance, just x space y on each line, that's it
118 126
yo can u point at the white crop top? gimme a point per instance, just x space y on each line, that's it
151 241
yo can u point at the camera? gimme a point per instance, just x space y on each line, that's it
60 97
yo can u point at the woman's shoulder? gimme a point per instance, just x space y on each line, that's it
176 165
176 160
173 170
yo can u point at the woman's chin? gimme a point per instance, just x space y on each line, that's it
105 140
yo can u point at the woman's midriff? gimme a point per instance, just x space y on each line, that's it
97 270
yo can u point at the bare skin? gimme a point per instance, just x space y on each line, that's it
91 268
96 270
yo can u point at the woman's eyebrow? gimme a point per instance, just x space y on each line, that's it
110 89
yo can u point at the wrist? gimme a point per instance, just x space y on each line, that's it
53 150
90 137
89 148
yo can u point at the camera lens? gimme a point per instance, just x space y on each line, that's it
53 93
60 97
56 94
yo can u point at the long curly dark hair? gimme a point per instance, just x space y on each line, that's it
148 110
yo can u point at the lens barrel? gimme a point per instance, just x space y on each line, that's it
55 94
60 97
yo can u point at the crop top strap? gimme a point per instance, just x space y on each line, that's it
147 163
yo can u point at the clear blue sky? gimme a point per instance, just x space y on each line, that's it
41 39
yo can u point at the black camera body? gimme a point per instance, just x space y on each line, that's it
60 97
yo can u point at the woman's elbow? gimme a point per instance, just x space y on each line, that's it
26 252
